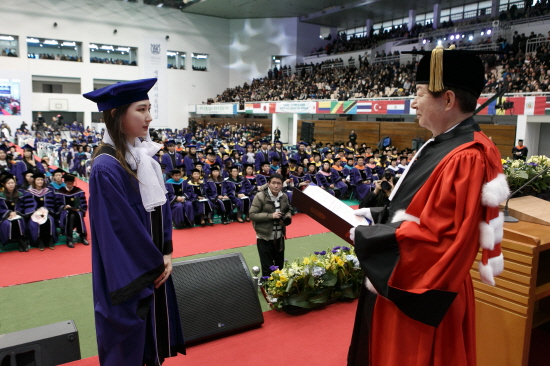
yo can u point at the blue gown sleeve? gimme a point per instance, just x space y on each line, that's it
167 247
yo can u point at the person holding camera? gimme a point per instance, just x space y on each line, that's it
270 214
379 197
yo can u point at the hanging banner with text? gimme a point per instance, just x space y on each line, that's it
155 67
216 109
296 107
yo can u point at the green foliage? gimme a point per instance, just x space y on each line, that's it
519 172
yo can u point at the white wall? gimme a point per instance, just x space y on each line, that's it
308 39
254 41
93 21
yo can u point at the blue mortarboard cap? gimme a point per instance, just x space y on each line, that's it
4 148
264 141
170 142
190 146
119 94
303 143
28 147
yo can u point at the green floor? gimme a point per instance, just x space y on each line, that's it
46 302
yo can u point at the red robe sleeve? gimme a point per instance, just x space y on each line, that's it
420 264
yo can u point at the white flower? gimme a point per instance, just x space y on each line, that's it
318 271
354 260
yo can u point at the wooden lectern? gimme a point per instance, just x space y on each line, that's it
520 301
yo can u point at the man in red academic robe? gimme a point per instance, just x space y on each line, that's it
419 308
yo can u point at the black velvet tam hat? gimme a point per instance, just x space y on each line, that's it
459 69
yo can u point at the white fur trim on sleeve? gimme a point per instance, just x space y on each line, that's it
401 215
491 234
495 192
498 227
369 286
494 267
486 236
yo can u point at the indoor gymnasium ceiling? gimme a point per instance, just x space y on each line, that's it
332 13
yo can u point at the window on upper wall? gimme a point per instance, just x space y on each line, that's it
53 49
199 61
58 85
9 45
113 55
176 59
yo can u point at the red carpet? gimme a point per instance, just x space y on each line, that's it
319 338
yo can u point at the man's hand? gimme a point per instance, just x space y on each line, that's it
240 195
12 214
352 234
67 207
277 215
167 271
364 212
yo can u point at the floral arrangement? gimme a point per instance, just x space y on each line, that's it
315 280
519 172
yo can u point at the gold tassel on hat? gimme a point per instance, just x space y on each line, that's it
436 69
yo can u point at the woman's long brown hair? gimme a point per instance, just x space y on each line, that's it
113 122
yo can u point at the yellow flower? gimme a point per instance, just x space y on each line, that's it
306 261
283 278
277 271
503 161
327 266
271 278
340 262
279 284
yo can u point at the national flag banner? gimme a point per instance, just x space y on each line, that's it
540 106
323 107
272 107
529 108
492 108
547 106
485 110
517 109
364 107
254 108
337 108
266 108
350 107
379 107
398 107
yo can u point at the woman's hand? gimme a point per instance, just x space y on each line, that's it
167 271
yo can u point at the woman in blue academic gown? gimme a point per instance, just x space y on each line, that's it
236 188
12 223
39 201
180 205
72 205
217 194
136 313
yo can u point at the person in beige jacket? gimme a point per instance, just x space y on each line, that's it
270 214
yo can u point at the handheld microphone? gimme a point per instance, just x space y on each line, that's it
507 217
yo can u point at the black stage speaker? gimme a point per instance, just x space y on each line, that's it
48 345
307 132
216 296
